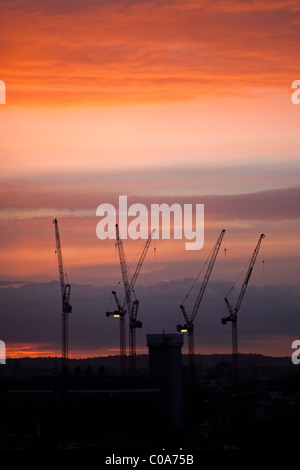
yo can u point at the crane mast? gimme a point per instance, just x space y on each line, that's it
233 311
189 321
65 296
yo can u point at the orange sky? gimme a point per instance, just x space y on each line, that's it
149 99
132 52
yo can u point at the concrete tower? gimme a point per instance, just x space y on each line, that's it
166 369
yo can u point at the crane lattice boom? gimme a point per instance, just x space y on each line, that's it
190 320
234 310
207 275
127 300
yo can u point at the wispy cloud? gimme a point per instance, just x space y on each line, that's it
19 202
112 52
43 212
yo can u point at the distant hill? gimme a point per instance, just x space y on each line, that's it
110 364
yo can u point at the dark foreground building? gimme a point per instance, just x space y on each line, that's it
94 409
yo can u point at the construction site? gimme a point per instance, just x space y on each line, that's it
169 400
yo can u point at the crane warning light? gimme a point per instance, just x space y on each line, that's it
182 329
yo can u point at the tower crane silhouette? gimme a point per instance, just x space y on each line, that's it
233 311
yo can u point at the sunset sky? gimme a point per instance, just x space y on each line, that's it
162 101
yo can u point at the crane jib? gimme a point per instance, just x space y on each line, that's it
248 275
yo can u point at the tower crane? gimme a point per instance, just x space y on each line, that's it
189 321
233 311
65 296
121 312
133 322
132 305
